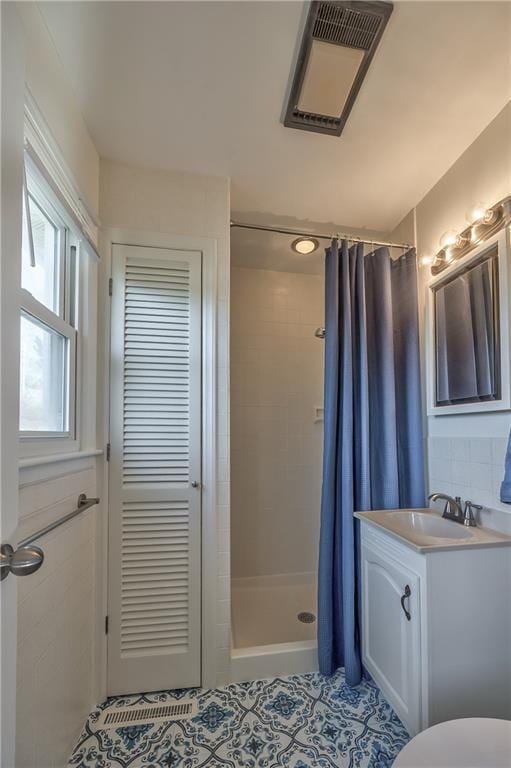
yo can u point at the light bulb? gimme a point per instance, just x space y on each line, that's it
426 261
480 213
449 238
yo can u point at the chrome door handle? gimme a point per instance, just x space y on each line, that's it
22 562
196 484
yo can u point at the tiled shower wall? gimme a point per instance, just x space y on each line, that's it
276 441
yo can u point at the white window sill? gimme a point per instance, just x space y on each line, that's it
56 458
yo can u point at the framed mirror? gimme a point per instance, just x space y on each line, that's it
468 333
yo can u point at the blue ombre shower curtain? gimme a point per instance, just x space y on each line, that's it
373 447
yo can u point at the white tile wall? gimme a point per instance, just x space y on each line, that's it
470 467
56 620
276 446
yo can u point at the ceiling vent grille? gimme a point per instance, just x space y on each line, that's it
121 717
344 26
339 41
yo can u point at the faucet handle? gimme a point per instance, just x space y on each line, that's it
468 515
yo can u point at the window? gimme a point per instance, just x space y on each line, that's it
48 336
40 258
44 376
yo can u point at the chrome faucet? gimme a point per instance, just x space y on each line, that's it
452 509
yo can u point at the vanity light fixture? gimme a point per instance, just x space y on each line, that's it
305 245
484 221
338 43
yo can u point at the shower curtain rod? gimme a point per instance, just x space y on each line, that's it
338 235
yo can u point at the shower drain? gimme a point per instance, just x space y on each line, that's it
306 617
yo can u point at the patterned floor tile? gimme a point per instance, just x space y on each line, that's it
301 721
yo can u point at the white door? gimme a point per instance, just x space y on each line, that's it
391 633
10 268
154 591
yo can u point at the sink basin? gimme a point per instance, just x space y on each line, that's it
430 525
425 530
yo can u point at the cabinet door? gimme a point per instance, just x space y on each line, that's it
391 633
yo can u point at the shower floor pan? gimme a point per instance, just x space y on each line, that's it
273 626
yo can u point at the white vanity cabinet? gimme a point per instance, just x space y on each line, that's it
391 640
436 628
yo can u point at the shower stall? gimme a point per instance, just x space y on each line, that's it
277 305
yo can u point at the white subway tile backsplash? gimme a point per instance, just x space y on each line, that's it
460 449
470 467
498 450
481 449
461 472
480 476
440 469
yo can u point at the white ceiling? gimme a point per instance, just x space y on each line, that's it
201 86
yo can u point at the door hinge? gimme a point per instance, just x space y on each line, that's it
106 625
110 285
108 449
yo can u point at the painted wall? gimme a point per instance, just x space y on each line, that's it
465 452
48 84
187 204
276 445
483 172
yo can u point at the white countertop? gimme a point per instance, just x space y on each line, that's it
391 521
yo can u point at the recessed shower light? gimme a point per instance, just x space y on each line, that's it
305 245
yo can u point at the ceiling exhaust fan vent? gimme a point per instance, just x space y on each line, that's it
343 26
321 120
338 43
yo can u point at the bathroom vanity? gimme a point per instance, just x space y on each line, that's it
436 616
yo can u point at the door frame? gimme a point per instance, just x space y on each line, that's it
208 248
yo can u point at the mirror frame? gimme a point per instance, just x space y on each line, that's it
501 240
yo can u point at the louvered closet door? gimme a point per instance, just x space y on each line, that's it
154 636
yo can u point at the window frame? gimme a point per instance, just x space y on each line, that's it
66 323
45 206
